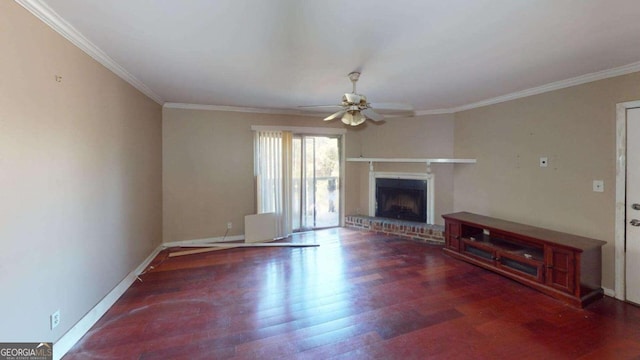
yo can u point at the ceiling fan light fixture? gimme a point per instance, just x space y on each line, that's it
347 118
353 118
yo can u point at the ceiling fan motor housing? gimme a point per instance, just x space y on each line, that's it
353 99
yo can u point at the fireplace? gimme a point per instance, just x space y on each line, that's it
417 186
403 199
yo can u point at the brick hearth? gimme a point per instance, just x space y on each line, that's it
431 234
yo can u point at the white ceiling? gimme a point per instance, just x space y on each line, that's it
433 54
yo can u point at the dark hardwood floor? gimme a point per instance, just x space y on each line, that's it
358 295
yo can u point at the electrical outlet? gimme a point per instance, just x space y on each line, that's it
55 319
598 185
229 225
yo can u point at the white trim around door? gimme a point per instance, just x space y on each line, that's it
621 189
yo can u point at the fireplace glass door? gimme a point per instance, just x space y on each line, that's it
316 182
402 199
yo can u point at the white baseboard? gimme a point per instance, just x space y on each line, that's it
71 337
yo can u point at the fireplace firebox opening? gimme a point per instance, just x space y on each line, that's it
403 199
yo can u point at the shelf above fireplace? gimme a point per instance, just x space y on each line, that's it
414 160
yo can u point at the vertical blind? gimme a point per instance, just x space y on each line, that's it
272 167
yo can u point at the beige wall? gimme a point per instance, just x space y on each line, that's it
575 129
80 170
418 137
208 165
208 169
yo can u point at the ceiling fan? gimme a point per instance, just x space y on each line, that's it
355 109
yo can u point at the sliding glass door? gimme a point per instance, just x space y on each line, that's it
316 182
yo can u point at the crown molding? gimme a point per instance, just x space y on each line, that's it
47 15
275 111
241 109
433 112
301 129
557 85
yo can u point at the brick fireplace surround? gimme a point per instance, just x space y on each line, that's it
421 232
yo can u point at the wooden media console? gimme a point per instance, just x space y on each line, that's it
565 266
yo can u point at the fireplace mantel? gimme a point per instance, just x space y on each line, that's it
414 160
427 161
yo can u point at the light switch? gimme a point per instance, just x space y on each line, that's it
598 185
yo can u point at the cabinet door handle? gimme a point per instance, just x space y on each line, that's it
635 206
634 222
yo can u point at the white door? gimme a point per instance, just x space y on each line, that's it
632 261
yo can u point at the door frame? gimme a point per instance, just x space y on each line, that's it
621 190
326 131
340 136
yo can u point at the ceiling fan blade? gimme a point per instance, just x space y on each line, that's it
391 106
320 108
372 115
335 115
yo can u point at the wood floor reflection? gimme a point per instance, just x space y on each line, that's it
358 295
